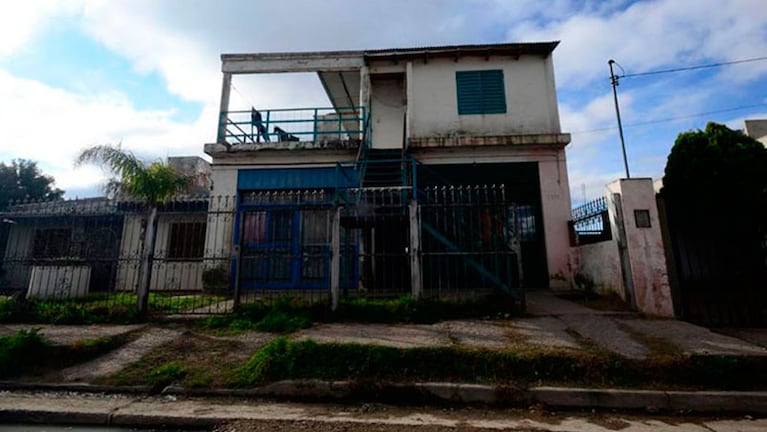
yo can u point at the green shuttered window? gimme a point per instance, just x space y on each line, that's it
480 92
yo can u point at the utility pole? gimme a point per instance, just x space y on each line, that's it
614 83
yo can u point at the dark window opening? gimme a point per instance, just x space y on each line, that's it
187 240
480 92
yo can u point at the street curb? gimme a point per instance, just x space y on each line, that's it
653 400
751 402
76 387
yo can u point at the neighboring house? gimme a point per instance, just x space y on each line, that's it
402 122
77 247
756 129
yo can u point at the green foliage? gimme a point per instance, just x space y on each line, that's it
92 310
155 182
284 316
19 353
286 359
287 314
277 321
22 180
167 373
715 168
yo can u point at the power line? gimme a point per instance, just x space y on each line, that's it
669 119
687 68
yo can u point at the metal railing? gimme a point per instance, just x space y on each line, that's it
320 126
590 223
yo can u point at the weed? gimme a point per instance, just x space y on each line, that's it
21 352
167 373
277 321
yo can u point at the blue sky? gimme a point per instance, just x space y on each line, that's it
146 72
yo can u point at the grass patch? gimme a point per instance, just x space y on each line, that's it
27 352
167 373
192 360
286 359
287 315
21 352
115 308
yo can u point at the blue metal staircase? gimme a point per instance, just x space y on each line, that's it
384 168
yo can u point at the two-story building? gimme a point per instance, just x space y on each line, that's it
403 126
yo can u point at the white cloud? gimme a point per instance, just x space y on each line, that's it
649 35
51 126
20 21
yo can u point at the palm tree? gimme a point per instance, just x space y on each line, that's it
154 184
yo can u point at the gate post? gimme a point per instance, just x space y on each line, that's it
145 273
335 258
416 283
237 256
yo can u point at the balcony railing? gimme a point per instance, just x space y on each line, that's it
321 126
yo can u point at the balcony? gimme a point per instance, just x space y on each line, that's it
292 128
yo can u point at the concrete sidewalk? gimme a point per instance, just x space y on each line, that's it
180 412
555 323
552 322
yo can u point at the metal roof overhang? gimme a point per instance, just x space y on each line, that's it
342 87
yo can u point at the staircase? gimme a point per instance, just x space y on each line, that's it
383 168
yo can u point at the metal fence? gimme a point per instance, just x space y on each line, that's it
213 254
590 223
471 238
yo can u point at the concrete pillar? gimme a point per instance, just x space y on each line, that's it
414 250
335 258
555 203
226 87
365 93
409 94
646 260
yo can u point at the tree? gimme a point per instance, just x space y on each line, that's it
22 180
718 163
715 192
153 183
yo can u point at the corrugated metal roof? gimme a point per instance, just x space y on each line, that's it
514 48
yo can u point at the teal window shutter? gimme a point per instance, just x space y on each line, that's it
480 92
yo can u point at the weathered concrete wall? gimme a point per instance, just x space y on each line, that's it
599 267
388 111
644 245
531 105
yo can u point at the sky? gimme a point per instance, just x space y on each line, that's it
146 73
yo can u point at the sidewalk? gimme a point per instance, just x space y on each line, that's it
563 326
552 322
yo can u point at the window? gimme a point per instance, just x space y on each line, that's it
480 92
187 240
52 243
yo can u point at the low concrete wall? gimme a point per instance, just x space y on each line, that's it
598 267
